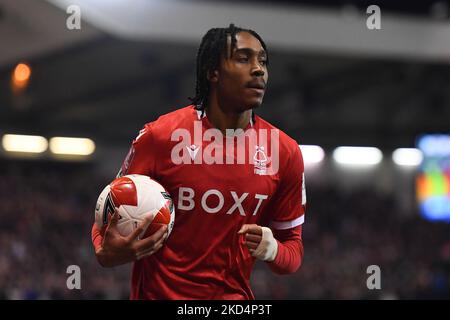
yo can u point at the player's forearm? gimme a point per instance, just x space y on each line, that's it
108 258
290 251
103 257
289 257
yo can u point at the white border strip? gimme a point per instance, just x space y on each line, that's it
283 225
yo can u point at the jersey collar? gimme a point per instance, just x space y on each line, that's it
201 114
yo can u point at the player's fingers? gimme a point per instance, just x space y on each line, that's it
111 227
160 234
150 251
158 242
144 254
140 229
112 219
257 230
135 234
253 237
251 228
251 245
165 236
154 238
246 227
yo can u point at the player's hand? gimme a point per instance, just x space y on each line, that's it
260 242
117 249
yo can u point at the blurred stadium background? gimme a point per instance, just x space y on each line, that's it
333 82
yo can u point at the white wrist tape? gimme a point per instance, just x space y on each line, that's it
268 247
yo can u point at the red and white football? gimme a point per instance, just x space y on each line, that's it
136 198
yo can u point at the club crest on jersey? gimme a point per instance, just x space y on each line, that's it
260 161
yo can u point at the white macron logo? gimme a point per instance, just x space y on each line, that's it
193 149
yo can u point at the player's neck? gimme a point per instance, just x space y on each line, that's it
223 120
222 117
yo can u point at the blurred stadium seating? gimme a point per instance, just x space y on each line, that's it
47 212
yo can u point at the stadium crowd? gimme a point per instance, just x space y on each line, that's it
47 213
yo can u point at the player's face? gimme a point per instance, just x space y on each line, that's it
242 77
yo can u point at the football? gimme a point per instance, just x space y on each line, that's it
136 198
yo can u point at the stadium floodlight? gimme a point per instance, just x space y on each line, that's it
72 146
312 154
24 143
407 157
22 72
357 156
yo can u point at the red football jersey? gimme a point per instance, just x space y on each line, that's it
218 183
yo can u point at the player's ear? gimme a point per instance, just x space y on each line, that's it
213 76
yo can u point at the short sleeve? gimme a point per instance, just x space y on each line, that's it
289 203
141 156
